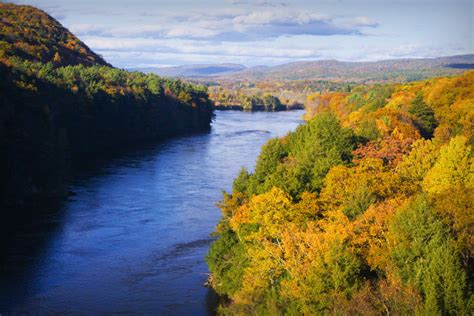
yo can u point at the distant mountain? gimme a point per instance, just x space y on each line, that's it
189 71
332 70
385 70
32 34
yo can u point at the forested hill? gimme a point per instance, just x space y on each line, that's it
32 34
395 70
392 70
366 209
61 105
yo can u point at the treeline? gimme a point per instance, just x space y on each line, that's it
365 209
237 100
54 118
268 95
266 102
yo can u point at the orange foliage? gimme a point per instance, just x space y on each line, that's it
370 229
391 149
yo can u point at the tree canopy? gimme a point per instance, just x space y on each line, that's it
365 209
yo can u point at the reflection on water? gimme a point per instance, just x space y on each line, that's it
134 236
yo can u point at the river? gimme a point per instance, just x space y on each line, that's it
134 237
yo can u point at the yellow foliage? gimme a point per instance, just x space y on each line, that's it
26 85
334 102
270 211
345 186
262 272
389 120
415 165
400 100
454 167
317 262
456 207
57 58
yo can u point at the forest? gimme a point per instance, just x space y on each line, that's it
231 100
365 209
62 105
268 95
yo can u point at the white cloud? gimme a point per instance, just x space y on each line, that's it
256 32
236 2
127 52
234 25
268 3
357 22
261 3
179 46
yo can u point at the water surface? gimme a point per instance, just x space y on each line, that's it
135 235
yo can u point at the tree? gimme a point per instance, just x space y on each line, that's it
424 255
454 167
57 58
424 115
271 103
271 155
241 182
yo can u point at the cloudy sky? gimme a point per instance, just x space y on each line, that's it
157 33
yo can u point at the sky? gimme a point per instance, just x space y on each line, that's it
160 33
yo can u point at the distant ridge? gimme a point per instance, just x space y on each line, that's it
204 70
409 69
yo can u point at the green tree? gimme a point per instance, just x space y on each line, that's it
241 182
424 116
424 255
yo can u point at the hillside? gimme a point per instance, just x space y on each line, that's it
33 35
366 209
62 106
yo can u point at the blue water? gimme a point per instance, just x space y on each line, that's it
134 237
